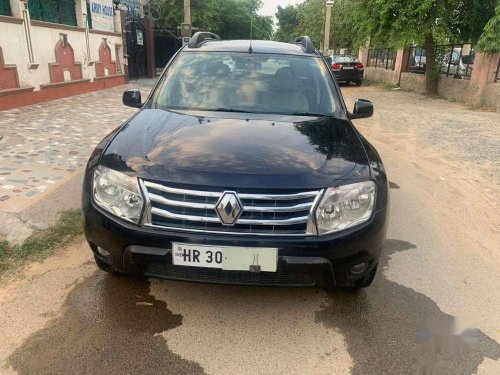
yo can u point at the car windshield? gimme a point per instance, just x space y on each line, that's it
243 82
342 59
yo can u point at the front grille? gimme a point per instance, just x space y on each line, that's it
169 271
269 213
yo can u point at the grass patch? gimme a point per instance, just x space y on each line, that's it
41 244
380 85
4 248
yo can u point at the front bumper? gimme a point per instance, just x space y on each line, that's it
303 261
348 75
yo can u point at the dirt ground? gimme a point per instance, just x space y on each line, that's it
441 260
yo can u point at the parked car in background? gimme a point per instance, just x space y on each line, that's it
242 166
346 69
417 61
457 64
454 61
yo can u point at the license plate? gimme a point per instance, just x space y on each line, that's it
347 67
253 259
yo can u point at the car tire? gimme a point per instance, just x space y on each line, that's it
359 83
103 266
365 282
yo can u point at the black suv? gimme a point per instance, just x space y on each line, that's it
242 166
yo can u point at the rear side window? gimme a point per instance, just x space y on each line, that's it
258 83
343 59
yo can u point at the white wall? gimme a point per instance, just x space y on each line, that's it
14 44
12 41
95 42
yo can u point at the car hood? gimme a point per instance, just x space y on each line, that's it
238 150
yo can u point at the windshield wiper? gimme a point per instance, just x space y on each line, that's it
236 110
229 110
207 109
306 114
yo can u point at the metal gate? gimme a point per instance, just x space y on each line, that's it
167 43
136 47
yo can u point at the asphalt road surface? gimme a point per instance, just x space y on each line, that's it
439 273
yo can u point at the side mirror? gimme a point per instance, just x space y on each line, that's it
132 98
362 108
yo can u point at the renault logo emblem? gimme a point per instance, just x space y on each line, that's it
229 208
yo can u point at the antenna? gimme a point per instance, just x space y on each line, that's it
250 50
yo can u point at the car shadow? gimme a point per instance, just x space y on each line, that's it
344 84
380 323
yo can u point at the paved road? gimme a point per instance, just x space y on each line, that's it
43 149
440 263
42 145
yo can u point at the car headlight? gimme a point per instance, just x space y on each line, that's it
117 193
345 206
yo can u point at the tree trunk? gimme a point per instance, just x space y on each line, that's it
431 71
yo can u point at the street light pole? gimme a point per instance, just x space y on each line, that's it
328 14
186 25
187 11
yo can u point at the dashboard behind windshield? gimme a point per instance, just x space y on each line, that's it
243 82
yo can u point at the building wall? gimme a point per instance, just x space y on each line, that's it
454 89
381 75
17 31
491 96
460 90
11 38
412 82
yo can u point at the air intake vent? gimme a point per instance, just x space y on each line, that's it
213 275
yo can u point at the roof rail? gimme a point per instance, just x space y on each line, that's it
306 43
201 36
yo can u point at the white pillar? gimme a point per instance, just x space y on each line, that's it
81 13
16 7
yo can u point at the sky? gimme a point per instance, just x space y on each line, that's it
269 6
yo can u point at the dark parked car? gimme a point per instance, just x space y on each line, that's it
242 166
347 69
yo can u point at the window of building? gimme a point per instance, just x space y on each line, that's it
56 11
5 8
89 16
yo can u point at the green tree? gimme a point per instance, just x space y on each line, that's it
203 13
236 17
343 24
308 18
490 39
288 23
311 20
398 23
471 18
231 19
